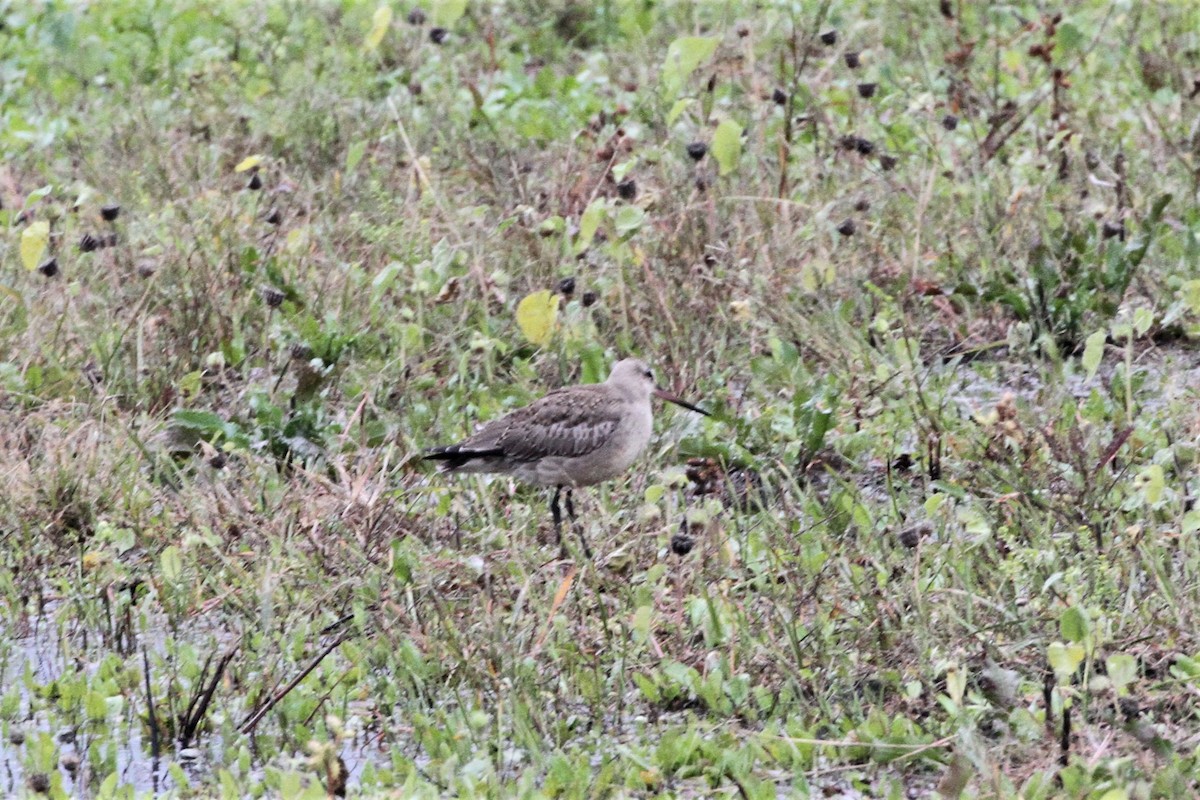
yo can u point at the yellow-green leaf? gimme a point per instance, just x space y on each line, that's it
537 314
683 56
1065 658
380 22
1153 481
589 221
447 12
248 163
33 243
727 145
1093 352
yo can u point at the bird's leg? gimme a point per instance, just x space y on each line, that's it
556 512
587 550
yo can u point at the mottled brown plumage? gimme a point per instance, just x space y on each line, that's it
575 436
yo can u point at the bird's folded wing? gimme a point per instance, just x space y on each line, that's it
561 424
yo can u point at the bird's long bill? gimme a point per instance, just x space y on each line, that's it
679 401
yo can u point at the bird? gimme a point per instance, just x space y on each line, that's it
574 436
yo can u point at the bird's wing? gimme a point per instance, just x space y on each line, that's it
567 423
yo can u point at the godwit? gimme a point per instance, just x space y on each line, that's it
574 436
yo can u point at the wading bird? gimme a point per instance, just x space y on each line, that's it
574 436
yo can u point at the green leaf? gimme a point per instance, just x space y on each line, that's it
447 12
537 314
1064 659
1153 481
1093 352
727 145
354 154
34 240
381 20
171 563
676 110
629 220
1121 669
1074 625
1069 38
683 56
588 223
202 421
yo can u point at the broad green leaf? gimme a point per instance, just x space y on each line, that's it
1143 318
683 56
202 421
1118 793
727 145
588 223
1064 658
354 155
381 20
1153 481
108 788
248 163
1069 38
1190 292
34 240
1074 625
1121 669
447 12
537 314
628 220
1093 352
171 563
676 110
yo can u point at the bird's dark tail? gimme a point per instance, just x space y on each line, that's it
455 456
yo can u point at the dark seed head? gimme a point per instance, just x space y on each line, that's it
255 183
49 268
438 35
779 96
1110 229
696 150
110 212
589 298
863 204
887 163
274 217
416 16
627 189
299 351
88 243
912 535
864 146
852 59
949 122
272 297
867 90
39 783
566 286
829 37
743 30
415 88
217 461
681 544
847 228
946 8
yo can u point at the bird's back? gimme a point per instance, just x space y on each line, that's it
578 436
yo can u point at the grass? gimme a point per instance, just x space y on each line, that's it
934 269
